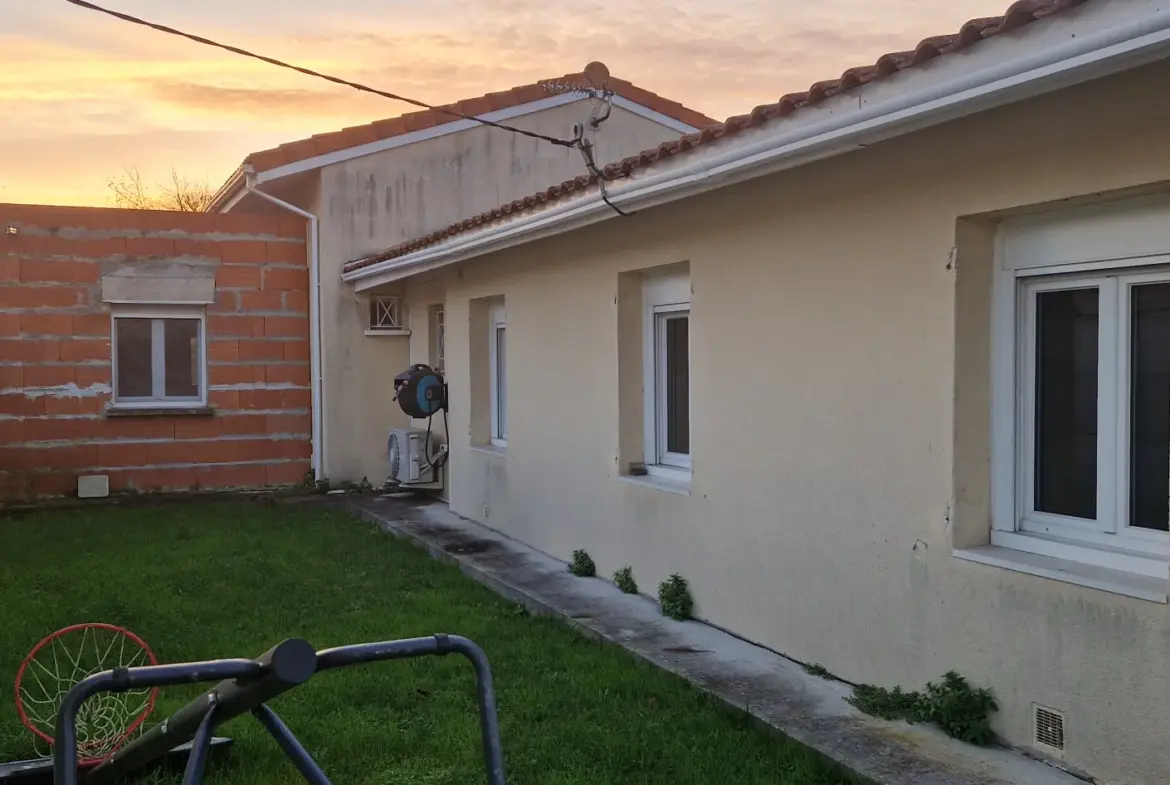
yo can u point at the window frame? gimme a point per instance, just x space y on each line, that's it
1109 541
664 297
498 397
437 330
157 315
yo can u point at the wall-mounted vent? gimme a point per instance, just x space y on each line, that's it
1048 730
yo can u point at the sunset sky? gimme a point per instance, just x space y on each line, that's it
82 96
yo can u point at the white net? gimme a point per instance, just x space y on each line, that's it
107 720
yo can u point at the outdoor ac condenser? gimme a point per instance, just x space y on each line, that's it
415 460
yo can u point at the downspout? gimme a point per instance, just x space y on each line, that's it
316 358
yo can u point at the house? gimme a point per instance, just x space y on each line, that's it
882 369
365 188
147 351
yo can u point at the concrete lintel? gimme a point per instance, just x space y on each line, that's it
772 688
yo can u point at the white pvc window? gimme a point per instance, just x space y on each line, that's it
158 357
1088 412
387 313
498 358
666 368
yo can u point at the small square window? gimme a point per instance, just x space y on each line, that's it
158 358
387 313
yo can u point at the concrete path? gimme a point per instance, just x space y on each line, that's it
771 687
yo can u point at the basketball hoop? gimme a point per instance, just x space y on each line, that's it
107 720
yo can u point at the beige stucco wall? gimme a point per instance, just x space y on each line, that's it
828 449
374 202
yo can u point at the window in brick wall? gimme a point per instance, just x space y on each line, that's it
159 357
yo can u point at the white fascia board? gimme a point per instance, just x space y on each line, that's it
642 111
1091 41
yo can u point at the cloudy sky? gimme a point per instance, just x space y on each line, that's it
82 96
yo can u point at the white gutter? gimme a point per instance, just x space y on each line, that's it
316 361
1084 56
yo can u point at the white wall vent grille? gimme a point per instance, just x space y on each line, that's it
1048 727
386 313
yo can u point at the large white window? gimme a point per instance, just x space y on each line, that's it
666 368
159 357
1081 413
498 357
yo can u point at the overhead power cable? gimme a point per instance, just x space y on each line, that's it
310 72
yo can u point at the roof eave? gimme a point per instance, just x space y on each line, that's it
1087 53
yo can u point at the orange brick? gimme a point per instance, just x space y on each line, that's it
235 326
56 429
224 399
100 248
150 247
287 253
295 399
286 326
204 249
244 252
253 476
139 427
235 374
42 270
296 350
11 432
9 324
261 301
162 453
293 227
45 245
9 268
285 279
295 448
289 423
89 404
297 302
22 405
46 324
89 375
11 377
289 473
261 399
174 479
49 375
198 428
42 296
225 302
54 484
287 374
244 425
29 351
238 276
261 350
124 454
223 351
95 324
71 457
80 350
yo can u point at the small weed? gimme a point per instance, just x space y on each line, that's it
818 670
962 711
582 565
323 485
309 481
365 486
624 580
675 597
518 611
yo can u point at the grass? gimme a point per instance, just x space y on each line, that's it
205 580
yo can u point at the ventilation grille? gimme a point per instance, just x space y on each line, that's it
1049 730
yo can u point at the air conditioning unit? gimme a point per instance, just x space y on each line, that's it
416 458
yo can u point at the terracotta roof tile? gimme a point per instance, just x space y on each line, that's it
972 32
428 118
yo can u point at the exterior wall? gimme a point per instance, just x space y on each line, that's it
832 432
55 353
374 202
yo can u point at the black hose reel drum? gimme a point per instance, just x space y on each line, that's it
420 391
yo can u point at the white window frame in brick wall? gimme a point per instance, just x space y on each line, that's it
159 316
665 298
498 359
387 313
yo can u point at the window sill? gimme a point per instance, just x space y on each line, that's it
490 449
114 410
397 331
681 487
1114 581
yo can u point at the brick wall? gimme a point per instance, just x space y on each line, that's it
56 365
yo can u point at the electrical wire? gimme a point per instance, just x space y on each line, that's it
309 72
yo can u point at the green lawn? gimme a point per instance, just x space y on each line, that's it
230 579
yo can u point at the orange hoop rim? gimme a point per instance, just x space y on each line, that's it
48 639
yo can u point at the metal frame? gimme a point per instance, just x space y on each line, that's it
245 686
157 315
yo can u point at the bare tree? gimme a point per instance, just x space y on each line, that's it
181 194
